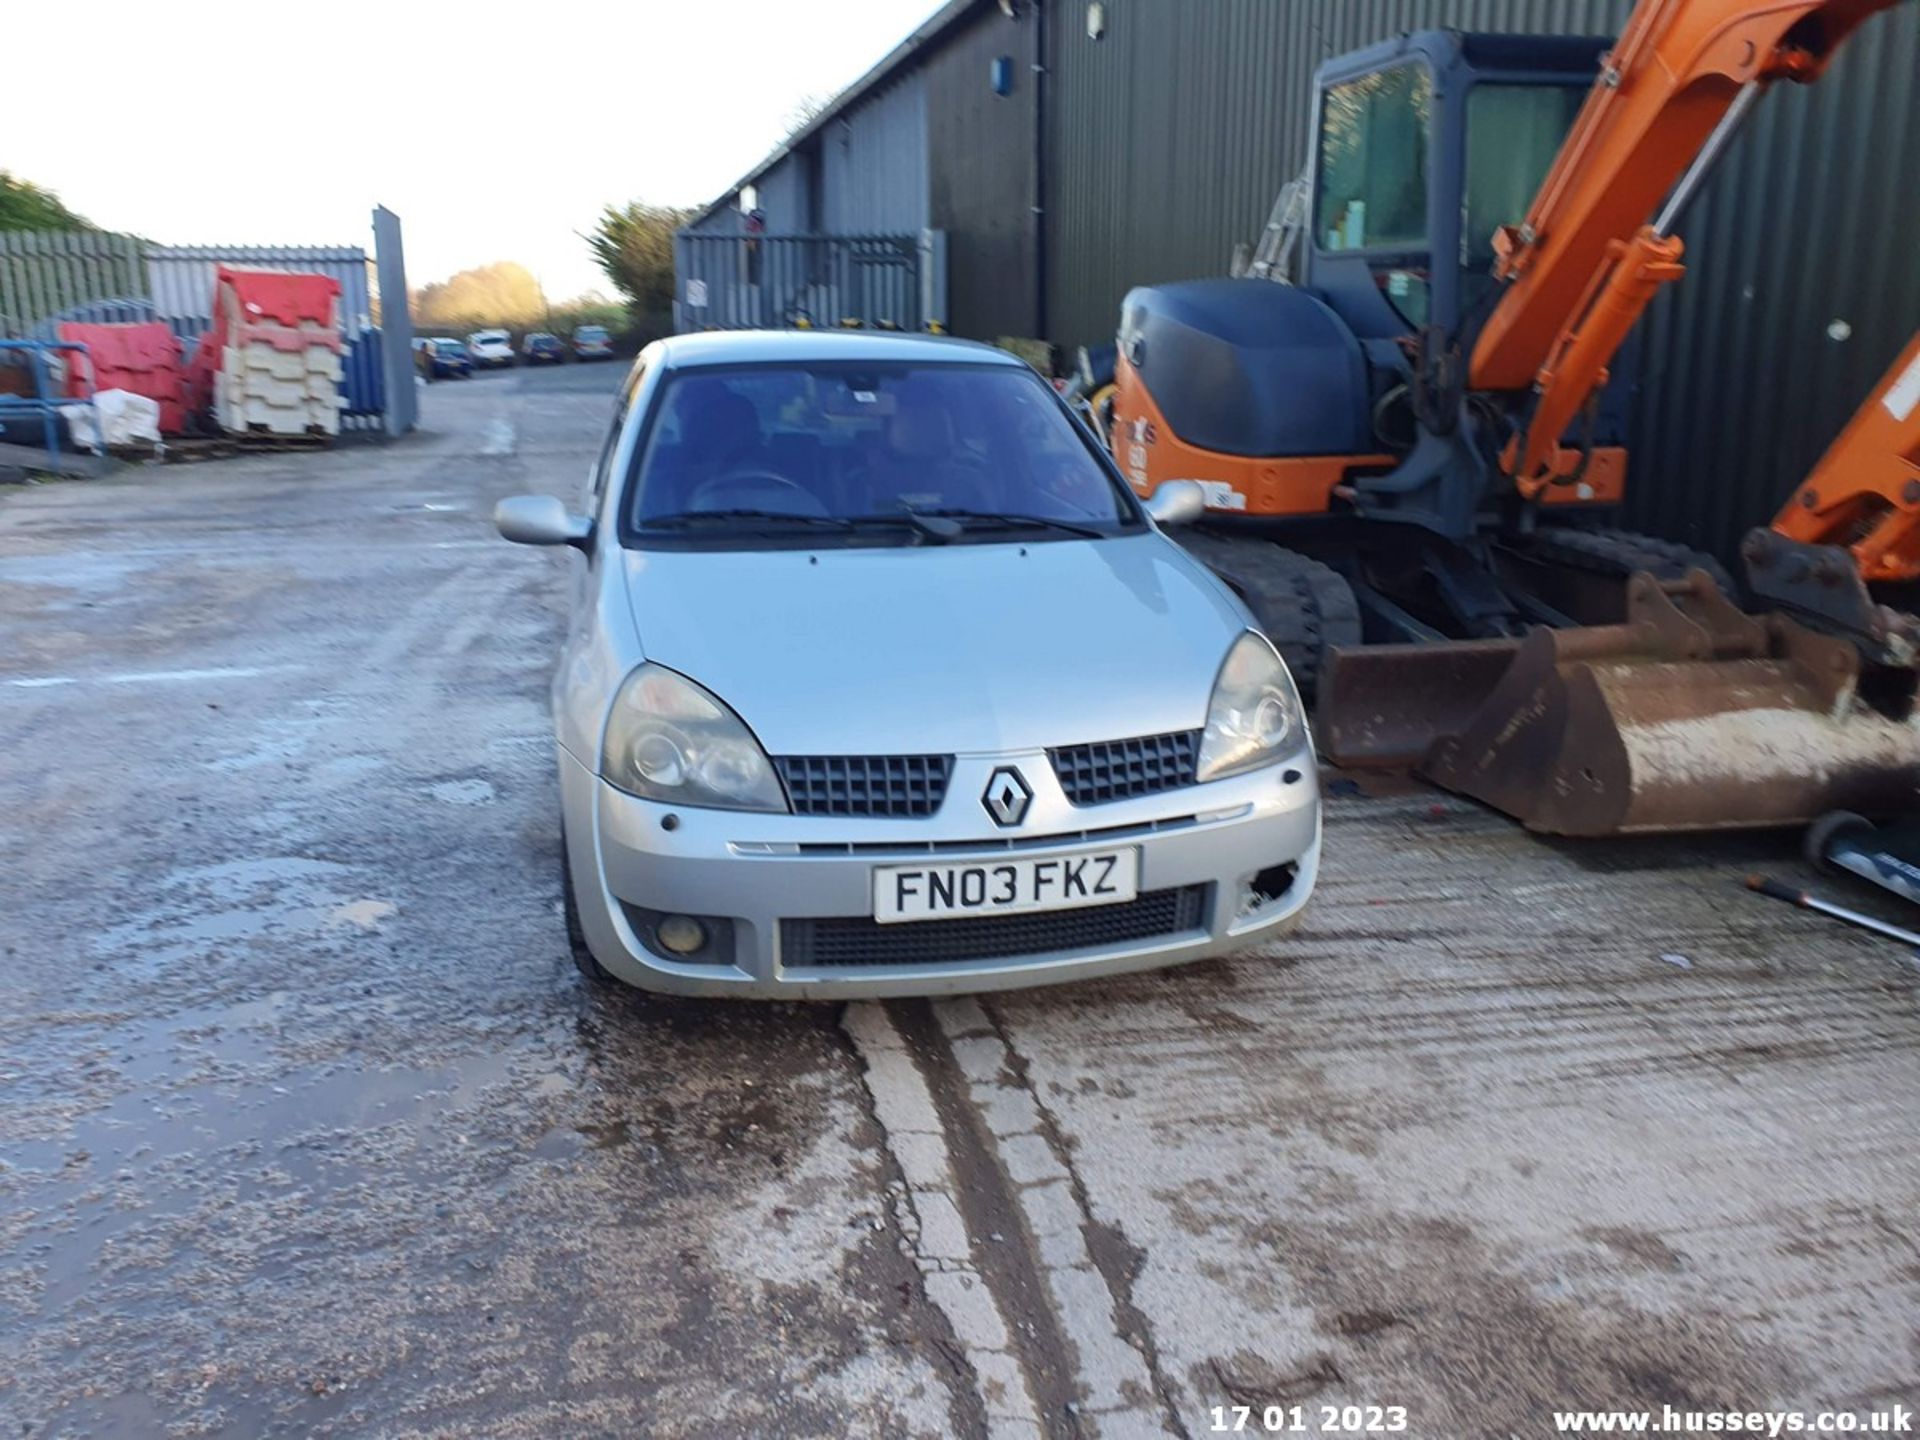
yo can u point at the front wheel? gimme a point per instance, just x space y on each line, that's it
591 970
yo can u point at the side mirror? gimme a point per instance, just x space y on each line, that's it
1177 502
540 520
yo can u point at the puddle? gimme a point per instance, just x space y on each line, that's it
252 1129
92 573
463 792
363 914
344 768
201 909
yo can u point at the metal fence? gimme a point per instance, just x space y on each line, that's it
88 275
47 278
771 282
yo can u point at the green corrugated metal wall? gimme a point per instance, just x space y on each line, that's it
1169 137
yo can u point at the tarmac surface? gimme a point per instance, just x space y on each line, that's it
307 1126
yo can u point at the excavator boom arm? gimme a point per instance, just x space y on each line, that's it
1585 262
1864 494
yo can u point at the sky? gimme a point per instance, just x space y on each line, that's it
495 129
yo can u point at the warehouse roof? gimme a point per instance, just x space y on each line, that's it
895 61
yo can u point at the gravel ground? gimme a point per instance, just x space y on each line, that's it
308 1128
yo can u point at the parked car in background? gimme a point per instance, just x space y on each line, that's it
822 731
490 349
540 348
443 359
591 342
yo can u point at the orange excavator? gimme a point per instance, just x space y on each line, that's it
1420 454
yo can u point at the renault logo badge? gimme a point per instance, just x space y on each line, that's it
1007 796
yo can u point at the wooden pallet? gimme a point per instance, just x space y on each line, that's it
184 448
181 449
258 440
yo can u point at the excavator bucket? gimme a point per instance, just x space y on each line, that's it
1383 706
1690 716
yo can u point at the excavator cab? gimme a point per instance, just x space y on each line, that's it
1423 146
1297 405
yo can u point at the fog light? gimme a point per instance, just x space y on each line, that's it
682 934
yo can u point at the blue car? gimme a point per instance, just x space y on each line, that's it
440 359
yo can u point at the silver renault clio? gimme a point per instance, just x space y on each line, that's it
879 681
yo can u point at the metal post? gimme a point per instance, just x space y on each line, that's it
396 323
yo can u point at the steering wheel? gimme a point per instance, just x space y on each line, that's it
715 494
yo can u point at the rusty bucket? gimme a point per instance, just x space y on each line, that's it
1692 715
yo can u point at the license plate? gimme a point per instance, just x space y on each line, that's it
1005 887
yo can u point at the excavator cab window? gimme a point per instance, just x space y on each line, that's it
1513 133
1374 134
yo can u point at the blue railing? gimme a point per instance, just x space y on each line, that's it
43 403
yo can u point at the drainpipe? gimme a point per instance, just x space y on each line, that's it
1039 171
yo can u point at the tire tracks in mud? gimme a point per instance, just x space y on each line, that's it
1037 1292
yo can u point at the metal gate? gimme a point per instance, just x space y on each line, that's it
773 282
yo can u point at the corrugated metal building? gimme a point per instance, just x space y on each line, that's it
1167 137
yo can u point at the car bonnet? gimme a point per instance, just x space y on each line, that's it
940 649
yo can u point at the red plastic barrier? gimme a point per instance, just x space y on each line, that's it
143 358
273 298
198 385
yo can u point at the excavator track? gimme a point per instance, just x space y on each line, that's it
1304 607
1582 573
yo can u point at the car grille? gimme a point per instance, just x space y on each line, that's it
889 786
830 944
1122 769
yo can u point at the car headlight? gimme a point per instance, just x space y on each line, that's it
668 739
1254 717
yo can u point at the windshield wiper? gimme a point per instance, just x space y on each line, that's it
1014 522
689 519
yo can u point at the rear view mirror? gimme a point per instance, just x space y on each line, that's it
540 520
1177 502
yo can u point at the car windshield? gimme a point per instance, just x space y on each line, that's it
888 452
589 332
450 347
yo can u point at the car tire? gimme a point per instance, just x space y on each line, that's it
591 970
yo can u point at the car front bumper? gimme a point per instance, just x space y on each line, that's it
778 880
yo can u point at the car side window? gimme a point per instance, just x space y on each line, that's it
603 466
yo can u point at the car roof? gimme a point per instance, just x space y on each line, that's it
737 347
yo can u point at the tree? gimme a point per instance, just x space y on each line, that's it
633 244
806 110
502 293
26 206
